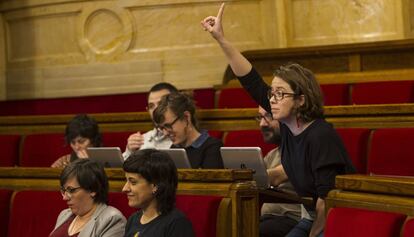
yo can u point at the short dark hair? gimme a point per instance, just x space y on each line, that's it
303 82
163 86
90 175
157 168
84 126
178 103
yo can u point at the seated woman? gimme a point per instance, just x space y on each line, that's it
81 132
84 186
151 183
175 117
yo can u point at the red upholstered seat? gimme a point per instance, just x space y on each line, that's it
204 98
408 228
120 201
4 210
356 143
387 92
41 150
335 94
235 98
90 104
247 138
34 213
202 212
345 222
215 133
116 139
392 152
9 146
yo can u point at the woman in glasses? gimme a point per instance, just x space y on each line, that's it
81 132
151 184
175 117
312 152
84 187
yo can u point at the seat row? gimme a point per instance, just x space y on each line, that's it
22 213
386 92
385 151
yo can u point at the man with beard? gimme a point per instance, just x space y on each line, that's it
277 219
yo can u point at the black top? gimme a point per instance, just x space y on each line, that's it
311 159
204 152
173 224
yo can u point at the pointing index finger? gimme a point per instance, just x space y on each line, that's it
221 10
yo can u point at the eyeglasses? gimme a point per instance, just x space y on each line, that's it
68 191
168 126
267 117
278 95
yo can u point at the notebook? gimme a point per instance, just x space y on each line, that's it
109 157
246 158
179 156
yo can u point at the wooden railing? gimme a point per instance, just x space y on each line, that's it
364 116
381 193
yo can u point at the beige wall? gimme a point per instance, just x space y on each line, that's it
61 48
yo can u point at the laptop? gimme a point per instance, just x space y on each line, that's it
109 157
179 156
246 158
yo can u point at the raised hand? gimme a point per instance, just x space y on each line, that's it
135 141
213 24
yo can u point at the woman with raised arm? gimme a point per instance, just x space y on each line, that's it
312 152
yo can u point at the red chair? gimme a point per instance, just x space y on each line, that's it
4 210
408 228
9 145
247 138
116 139
392 152
215 133
90 104
202 212
120 201
235 98
387 92
335 94
34 213
204 98
356 143
345 222
41 150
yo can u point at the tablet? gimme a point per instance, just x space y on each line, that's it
246 158
179 156
109 157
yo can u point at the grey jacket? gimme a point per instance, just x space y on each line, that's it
107 221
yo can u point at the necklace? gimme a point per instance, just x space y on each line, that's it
75 226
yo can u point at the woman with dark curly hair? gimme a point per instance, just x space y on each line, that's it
81 132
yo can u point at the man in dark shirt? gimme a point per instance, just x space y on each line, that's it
175 117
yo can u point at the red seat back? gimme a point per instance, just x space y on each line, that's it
9 146
356 143
90 104
41 150
247 138
215 133
408 228
335 94
392 152
387 92
116 139
345 222
4 210
202 212
235 98
204 98
120 201
34 213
